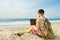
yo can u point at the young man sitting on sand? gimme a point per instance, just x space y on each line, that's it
39 24
41 29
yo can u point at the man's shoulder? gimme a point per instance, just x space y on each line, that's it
37 20
46 20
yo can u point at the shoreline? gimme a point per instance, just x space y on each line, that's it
3 27
9 33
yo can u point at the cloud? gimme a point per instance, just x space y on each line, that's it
52 12
26 8
16 9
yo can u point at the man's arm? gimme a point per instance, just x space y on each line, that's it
38 22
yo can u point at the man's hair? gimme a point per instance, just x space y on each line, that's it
41 11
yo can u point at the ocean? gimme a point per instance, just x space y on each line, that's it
7 23
22 21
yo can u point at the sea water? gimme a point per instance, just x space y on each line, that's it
20 21
14 21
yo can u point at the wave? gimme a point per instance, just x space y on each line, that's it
15 23
55 21
23 21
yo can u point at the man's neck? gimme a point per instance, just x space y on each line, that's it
41 16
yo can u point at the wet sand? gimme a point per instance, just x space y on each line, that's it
18 33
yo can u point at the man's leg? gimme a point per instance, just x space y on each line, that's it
29 30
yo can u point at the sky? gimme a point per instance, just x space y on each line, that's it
29 8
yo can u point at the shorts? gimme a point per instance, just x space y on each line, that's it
35 32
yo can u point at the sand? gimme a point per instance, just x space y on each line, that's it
18 33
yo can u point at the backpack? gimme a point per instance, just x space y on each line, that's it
48 32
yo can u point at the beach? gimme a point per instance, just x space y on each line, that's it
13 32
